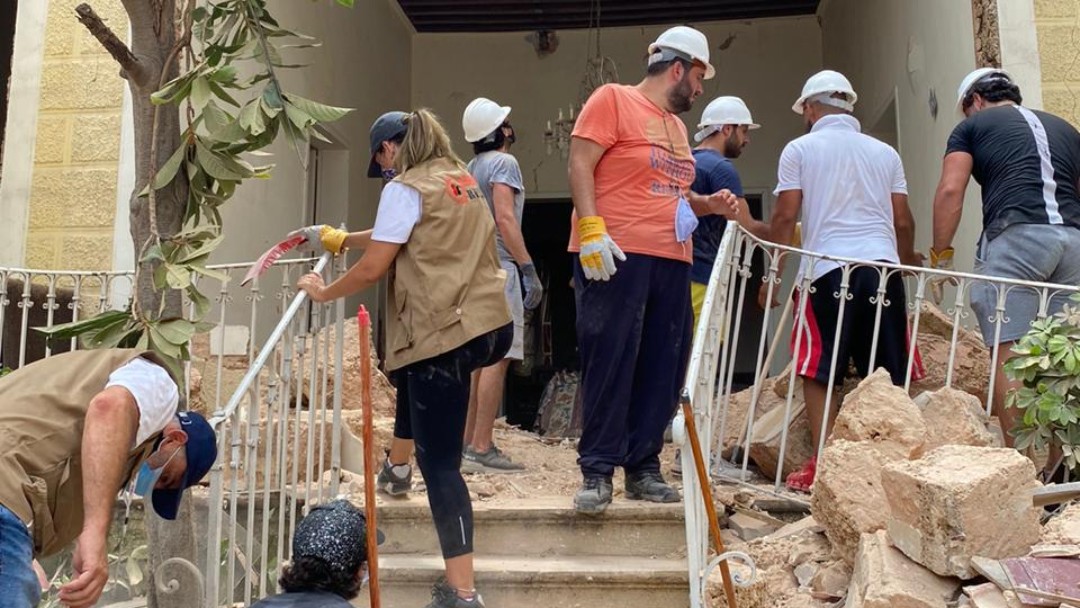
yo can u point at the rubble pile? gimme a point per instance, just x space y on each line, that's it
915 506
970 378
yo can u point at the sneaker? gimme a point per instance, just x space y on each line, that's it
593 496
491 461
650 486
803 479
445 596
392 480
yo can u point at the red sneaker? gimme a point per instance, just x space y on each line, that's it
803 479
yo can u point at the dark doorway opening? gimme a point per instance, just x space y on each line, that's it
7 50
546 228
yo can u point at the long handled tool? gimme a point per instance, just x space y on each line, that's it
364 320
706 493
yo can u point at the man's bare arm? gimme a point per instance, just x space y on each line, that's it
949 199
585 154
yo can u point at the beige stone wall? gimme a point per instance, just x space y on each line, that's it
73 193
1057 23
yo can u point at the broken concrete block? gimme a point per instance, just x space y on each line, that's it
748 528
961 501
848 500
831 582
885 578
383 394
768 438
1063 528
954 417
970 362
738 410
883 414
986 595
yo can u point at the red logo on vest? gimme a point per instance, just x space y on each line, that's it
463 189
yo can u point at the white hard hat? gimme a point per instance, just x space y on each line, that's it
723 111
970 80
825 81
482 116
686 41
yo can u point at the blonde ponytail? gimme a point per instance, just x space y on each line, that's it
425 139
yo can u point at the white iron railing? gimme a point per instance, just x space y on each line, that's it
273 425
711 374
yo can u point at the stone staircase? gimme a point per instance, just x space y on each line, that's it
537 553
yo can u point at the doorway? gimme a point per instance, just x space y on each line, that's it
7 48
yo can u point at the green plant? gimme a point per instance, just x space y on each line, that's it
1047 362
229 117
5 370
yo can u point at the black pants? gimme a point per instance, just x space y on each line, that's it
432 404
634 336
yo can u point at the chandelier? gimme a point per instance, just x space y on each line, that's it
599 70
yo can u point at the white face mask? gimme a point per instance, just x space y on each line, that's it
148 477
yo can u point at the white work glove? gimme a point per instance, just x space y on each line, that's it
598 252
534 289
320 238
940 261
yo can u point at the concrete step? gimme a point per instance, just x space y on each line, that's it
542 527
595 581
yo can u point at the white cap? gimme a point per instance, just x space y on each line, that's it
685 41
723 111
971 79
482 117
822 86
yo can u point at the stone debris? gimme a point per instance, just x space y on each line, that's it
768 440
831 582
954 417
961 501
881 413
848 499
749 528
383 394
885 578
1063 528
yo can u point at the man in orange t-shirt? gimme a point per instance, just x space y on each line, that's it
630 175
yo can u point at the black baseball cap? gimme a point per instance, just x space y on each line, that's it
385 128
336 533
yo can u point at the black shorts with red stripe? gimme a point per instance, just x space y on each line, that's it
815 336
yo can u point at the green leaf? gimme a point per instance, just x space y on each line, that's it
200 93
176 331
318 111
66 331
210 273
169 170
203 249
346 3
251 118
200 302
160 344
177 277
214 164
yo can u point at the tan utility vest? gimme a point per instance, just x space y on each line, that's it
446 285
42 410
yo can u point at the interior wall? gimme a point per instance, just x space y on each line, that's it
364 64
763 61
915 53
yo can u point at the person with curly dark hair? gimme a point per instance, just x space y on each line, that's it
329 559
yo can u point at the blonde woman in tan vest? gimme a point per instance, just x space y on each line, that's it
447 316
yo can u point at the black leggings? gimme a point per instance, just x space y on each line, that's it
432 404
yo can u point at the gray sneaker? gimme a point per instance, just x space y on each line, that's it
491 461
391 483
445 596
649 486
594 496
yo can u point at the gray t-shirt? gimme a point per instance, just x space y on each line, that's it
496 167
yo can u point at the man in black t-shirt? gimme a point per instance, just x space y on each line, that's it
1028 164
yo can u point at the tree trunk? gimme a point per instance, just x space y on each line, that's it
153 39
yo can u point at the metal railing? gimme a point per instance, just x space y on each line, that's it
726 422
278 426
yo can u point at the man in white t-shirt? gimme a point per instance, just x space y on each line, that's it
74 430
852 194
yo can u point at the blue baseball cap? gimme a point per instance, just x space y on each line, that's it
201 452
386 127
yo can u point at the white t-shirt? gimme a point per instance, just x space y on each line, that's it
847 181
399 211
155 394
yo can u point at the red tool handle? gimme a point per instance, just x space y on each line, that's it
364 320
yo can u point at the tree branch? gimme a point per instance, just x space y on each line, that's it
129 63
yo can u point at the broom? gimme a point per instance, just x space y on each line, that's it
364 320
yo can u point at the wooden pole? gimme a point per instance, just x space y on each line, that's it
364 320
706 493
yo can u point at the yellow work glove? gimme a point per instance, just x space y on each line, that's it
796 239
320 238
942 260
598 251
